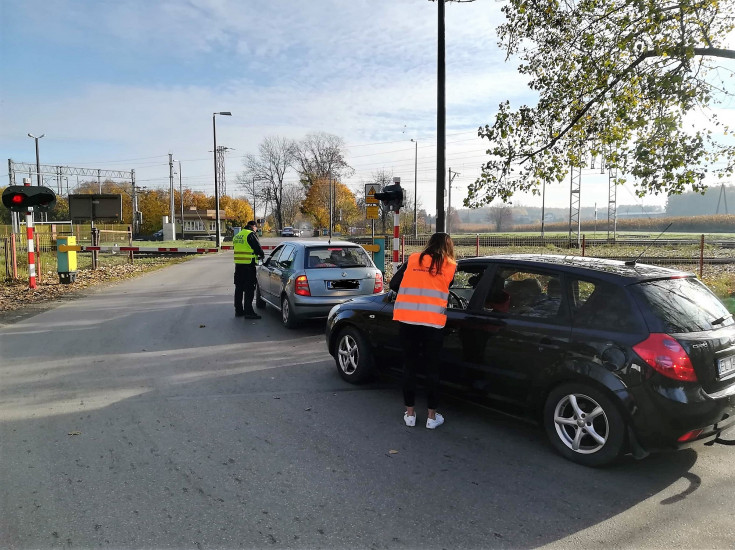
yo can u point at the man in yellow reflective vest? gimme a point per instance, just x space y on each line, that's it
247 249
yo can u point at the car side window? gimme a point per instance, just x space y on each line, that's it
463 286
273 258
601 305
285 258
291 256
525 293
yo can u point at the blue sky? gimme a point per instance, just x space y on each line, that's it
120 84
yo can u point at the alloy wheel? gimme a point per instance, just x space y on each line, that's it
581 423
348 354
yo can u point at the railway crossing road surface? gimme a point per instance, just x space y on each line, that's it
146 415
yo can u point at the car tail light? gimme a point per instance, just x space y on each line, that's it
689 436
301 286
378 283
665 355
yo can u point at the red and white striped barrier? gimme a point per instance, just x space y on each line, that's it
31 250
83 248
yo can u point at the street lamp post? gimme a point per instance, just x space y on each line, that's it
415 189
218 235
38 163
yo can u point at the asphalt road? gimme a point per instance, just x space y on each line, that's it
146 415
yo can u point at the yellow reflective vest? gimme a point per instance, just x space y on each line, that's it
244 254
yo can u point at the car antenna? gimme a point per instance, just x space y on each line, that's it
633 262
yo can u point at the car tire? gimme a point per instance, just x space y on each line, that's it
259 302
353 357
288 317
577 435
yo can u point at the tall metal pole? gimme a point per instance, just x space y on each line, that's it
218 235
441 121
330 206
38 162
171 192
449 204
181 201
216 189
38 165
415 189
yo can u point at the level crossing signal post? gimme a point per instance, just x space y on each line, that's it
392 196
23 198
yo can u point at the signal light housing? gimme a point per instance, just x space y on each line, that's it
19 198
666 356
391 196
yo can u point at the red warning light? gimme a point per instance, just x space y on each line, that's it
16 199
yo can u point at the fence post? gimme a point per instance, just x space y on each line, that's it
477 244
13 256
583 243
39 265
701 256
130 239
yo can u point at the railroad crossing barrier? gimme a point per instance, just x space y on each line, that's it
71 247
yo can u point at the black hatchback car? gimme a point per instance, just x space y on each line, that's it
611 357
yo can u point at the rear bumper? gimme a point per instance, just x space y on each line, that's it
663 414
313 307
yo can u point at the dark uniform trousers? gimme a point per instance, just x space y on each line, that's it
244 287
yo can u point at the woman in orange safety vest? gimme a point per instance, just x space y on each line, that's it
422 284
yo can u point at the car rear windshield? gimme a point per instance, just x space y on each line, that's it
337 256
685 305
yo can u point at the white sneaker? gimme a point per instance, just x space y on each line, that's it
432 423
409 420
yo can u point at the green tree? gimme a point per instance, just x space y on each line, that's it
616 79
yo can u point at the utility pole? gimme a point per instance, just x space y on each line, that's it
330 206
441 121
136 215
171 192
181 201
449 207
415 189
441 115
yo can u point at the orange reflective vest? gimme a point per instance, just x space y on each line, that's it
422 297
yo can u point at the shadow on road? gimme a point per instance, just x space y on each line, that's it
288 455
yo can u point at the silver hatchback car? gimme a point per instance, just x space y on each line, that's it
306 279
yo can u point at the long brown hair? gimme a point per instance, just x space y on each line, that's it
440 247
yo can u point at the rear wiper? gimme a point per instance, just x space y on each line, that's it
721 320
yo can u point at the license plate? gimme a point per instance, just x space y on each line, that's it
726 366
343 285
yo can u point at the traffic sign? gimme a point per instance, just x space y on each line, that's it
372 212
370 190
